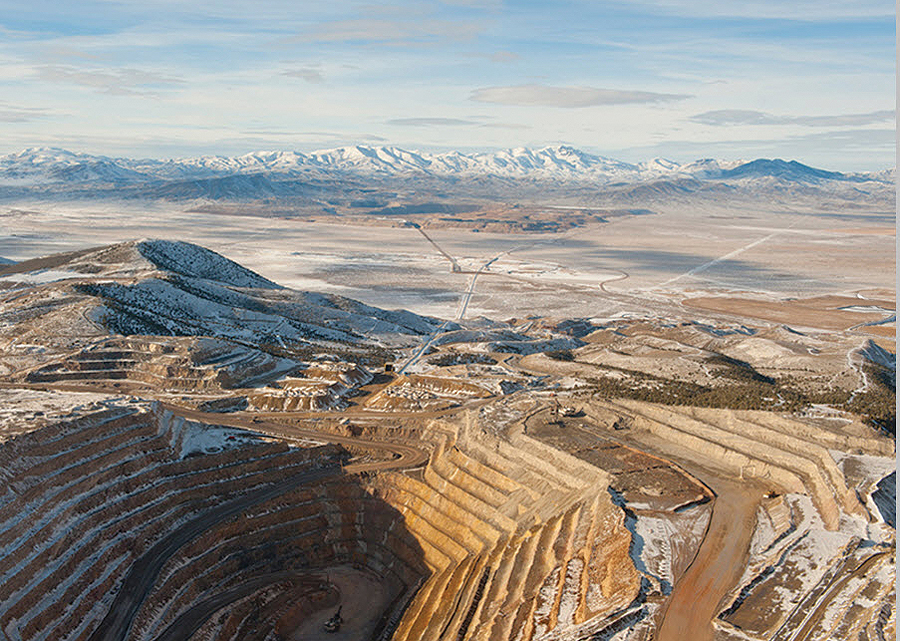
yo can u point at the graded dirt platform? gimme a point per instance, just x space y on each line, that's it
697 595
363 598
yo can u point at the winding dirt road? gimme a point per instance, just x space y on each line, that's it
697 595
143 572
406 455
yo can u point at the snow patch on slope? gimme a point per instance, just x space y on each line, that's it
198 262
205 439
41 276
193 439
880 356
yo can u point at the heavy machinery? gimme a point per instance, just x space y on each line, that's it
558 411
334 623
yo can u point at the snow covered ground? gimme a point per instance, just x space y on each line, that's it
196 438
787 565
398 268
25 410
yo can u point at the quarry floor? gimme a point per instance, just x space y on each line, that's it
363 599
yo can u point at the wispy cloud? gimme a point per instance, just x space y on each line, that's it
477 4
568 97
15 113
432 122
503 56
862 140
233 75
733 117
309 74
331 135
392 31
120 82
62 53
453 122
505 125
806 10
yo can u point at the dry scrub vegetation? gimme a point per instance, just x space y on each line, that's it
739 386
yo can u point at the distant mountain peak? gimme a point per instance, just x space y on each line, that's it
778 168
50 172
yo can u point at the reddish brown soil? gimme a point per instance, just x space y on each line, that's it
720 561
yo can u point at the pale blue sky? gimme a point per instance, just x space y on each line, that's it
632 79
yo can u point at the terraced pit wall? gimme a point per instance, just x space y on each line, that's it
85 499
521 539
179 362
786 453
493 539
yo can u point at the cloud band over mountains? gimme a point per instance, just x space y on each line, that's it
732 117
536 95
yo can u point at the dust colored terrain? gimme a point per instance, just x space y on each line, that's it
676 422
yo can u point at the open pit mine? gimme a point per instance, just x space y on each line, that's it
190 451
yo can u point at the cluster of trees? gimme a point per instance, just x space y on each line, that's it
743 396
743 388
878 403
461 358
738 370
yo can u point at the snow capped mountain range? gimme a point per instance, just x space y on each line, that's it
344 176
48 165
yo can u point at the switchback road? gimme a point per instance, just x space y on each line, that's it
144 571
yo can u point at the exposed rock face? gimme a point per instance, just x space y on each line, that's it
495 539
416 392
323 386
522 540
